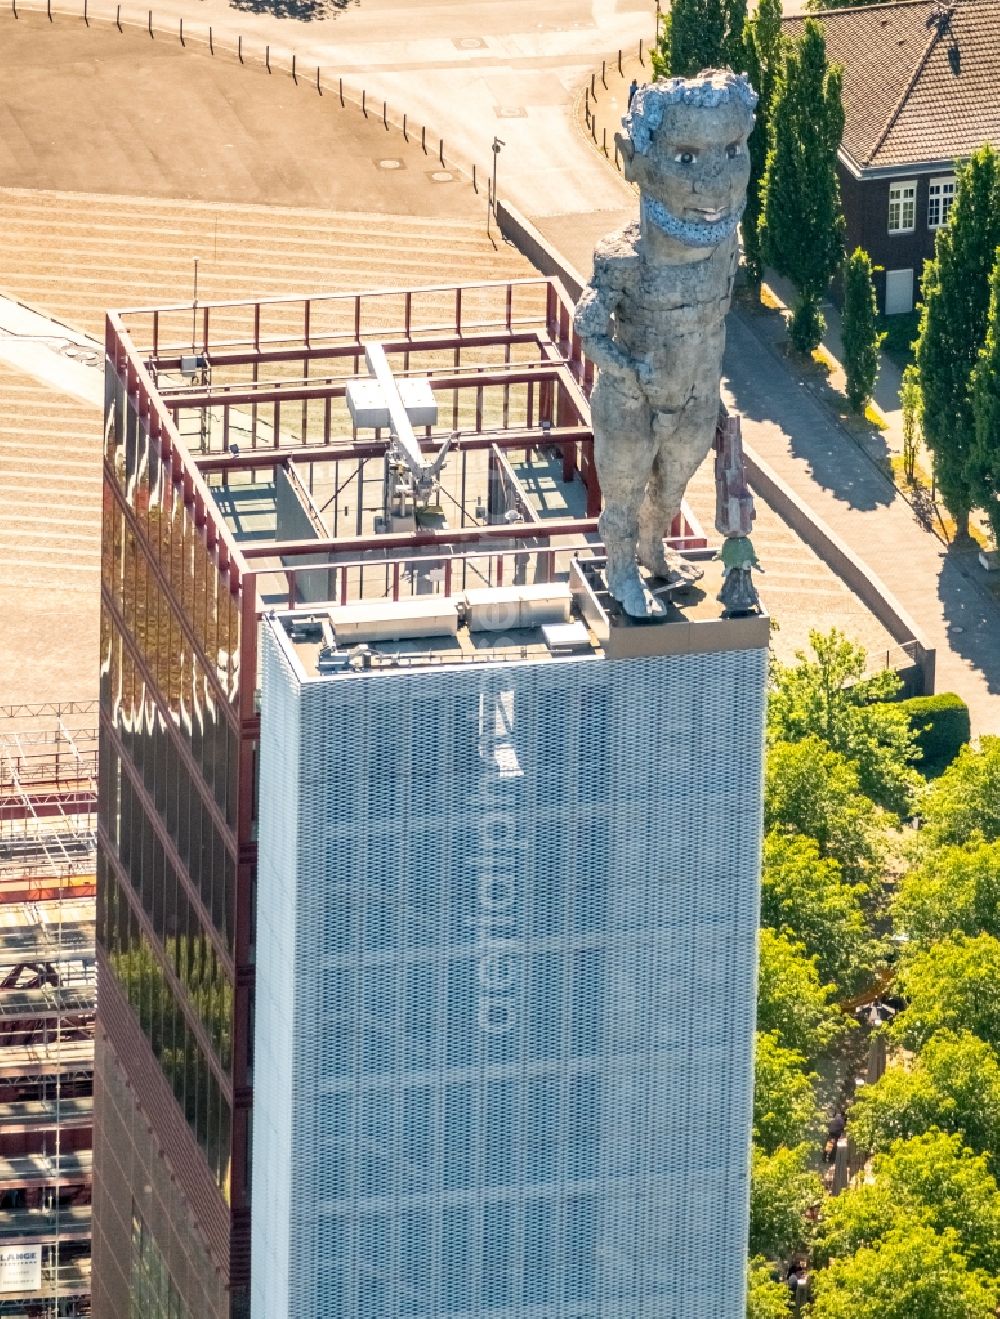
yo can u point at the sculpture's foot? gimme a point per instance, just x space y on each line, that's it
633 594
676 571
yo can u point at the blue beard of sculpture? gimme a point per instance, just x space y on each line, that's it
692 233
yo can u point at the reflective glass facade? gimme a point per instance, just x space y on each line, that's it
168 830
505 989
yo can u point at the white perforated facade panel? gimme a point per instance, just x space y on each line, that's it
517 1008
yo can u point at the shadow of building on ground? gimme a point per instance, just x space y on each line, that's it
305 11
971 614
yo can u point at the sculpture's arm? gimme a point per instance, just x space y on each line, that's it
592 320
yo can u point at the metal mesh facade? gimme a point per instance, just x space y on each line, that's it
506 951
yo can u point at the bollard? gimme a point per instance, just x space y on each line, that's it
405 138
423 139
641 60
211 44
267 58
239 48
182 31
475 186
85 18
318 87
385 116
593 84
604 74
48 9
118 18
13 5
441 150
604 144
619 61
294 75
341 92
593 127
363 109
150 22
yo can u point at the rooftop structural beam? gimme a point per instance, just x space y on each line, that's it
548 530
327 453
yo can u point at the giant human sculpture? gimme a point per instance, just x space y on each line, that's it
652 317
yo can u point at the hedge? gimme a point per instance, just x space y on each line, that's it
940 726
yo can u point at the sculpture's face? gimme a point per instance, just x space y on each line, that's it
693 178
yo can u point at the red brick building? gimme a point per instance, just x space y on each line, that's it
921 91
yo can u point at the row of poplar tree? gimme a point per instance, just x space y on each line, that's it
793 223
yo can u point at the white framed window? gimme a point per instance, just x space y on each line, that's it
903 207
939 200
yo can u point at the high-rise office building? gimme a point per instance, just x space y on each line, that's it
498 1072
506 947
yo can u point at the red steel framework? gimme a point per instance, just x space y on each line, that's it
506 358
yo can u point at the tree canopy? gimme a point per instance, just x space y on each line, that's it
700 34
783 1190
950 985
929 1179
985 463
811 790
767 1298
953 319
954 1085
964 803
793 1002
912 1273
827 695
785 1108
802 226
764 50
955 890
861 336
804 896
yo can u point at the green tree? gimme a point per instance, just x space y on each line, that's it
985 476
804 895
802 233
964 803
910 402
930 1179
764 47
793 1002
862 337
953 1085
783 1190
826 695
811 790
785 1108
956 295
951 985
767 1297
700 34
913 1273
955 890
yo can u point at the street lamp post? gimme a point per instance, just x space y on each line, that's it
498 142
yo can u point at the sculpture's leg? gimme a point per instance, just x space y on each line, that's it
682 444
623 450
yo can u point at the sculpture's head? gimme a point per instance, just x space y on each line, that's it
685 145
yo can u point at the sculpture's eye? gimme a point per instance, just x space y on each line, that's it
685 157
733 150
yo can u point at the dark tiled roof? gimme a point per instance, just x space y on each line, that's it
907 99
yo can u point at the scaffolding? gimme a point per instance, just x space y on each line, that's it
48 803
